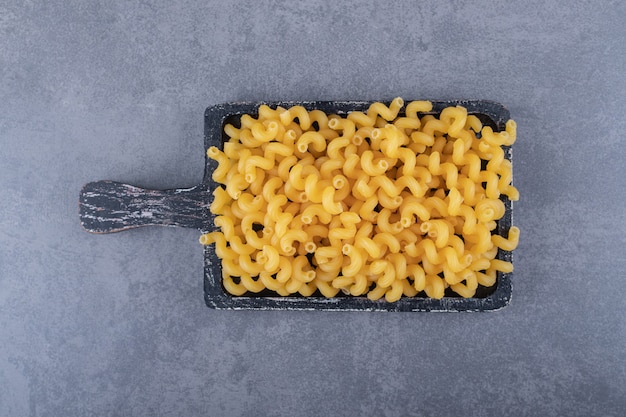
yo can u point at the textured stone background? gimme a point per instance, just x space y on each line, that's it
116 324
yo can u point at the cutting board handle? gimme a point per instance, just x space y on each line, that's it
108 206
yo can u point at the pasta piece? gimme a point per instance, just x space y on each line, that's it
508 244
357 260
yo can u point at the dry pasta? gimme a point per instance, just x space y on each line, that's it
378 203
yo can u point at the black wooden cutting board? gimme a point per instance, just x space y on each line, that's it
107 206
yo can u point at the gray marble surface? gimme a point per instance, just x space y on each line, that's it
116 324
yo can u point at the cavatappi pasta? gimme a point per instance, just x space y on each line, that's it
375 203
